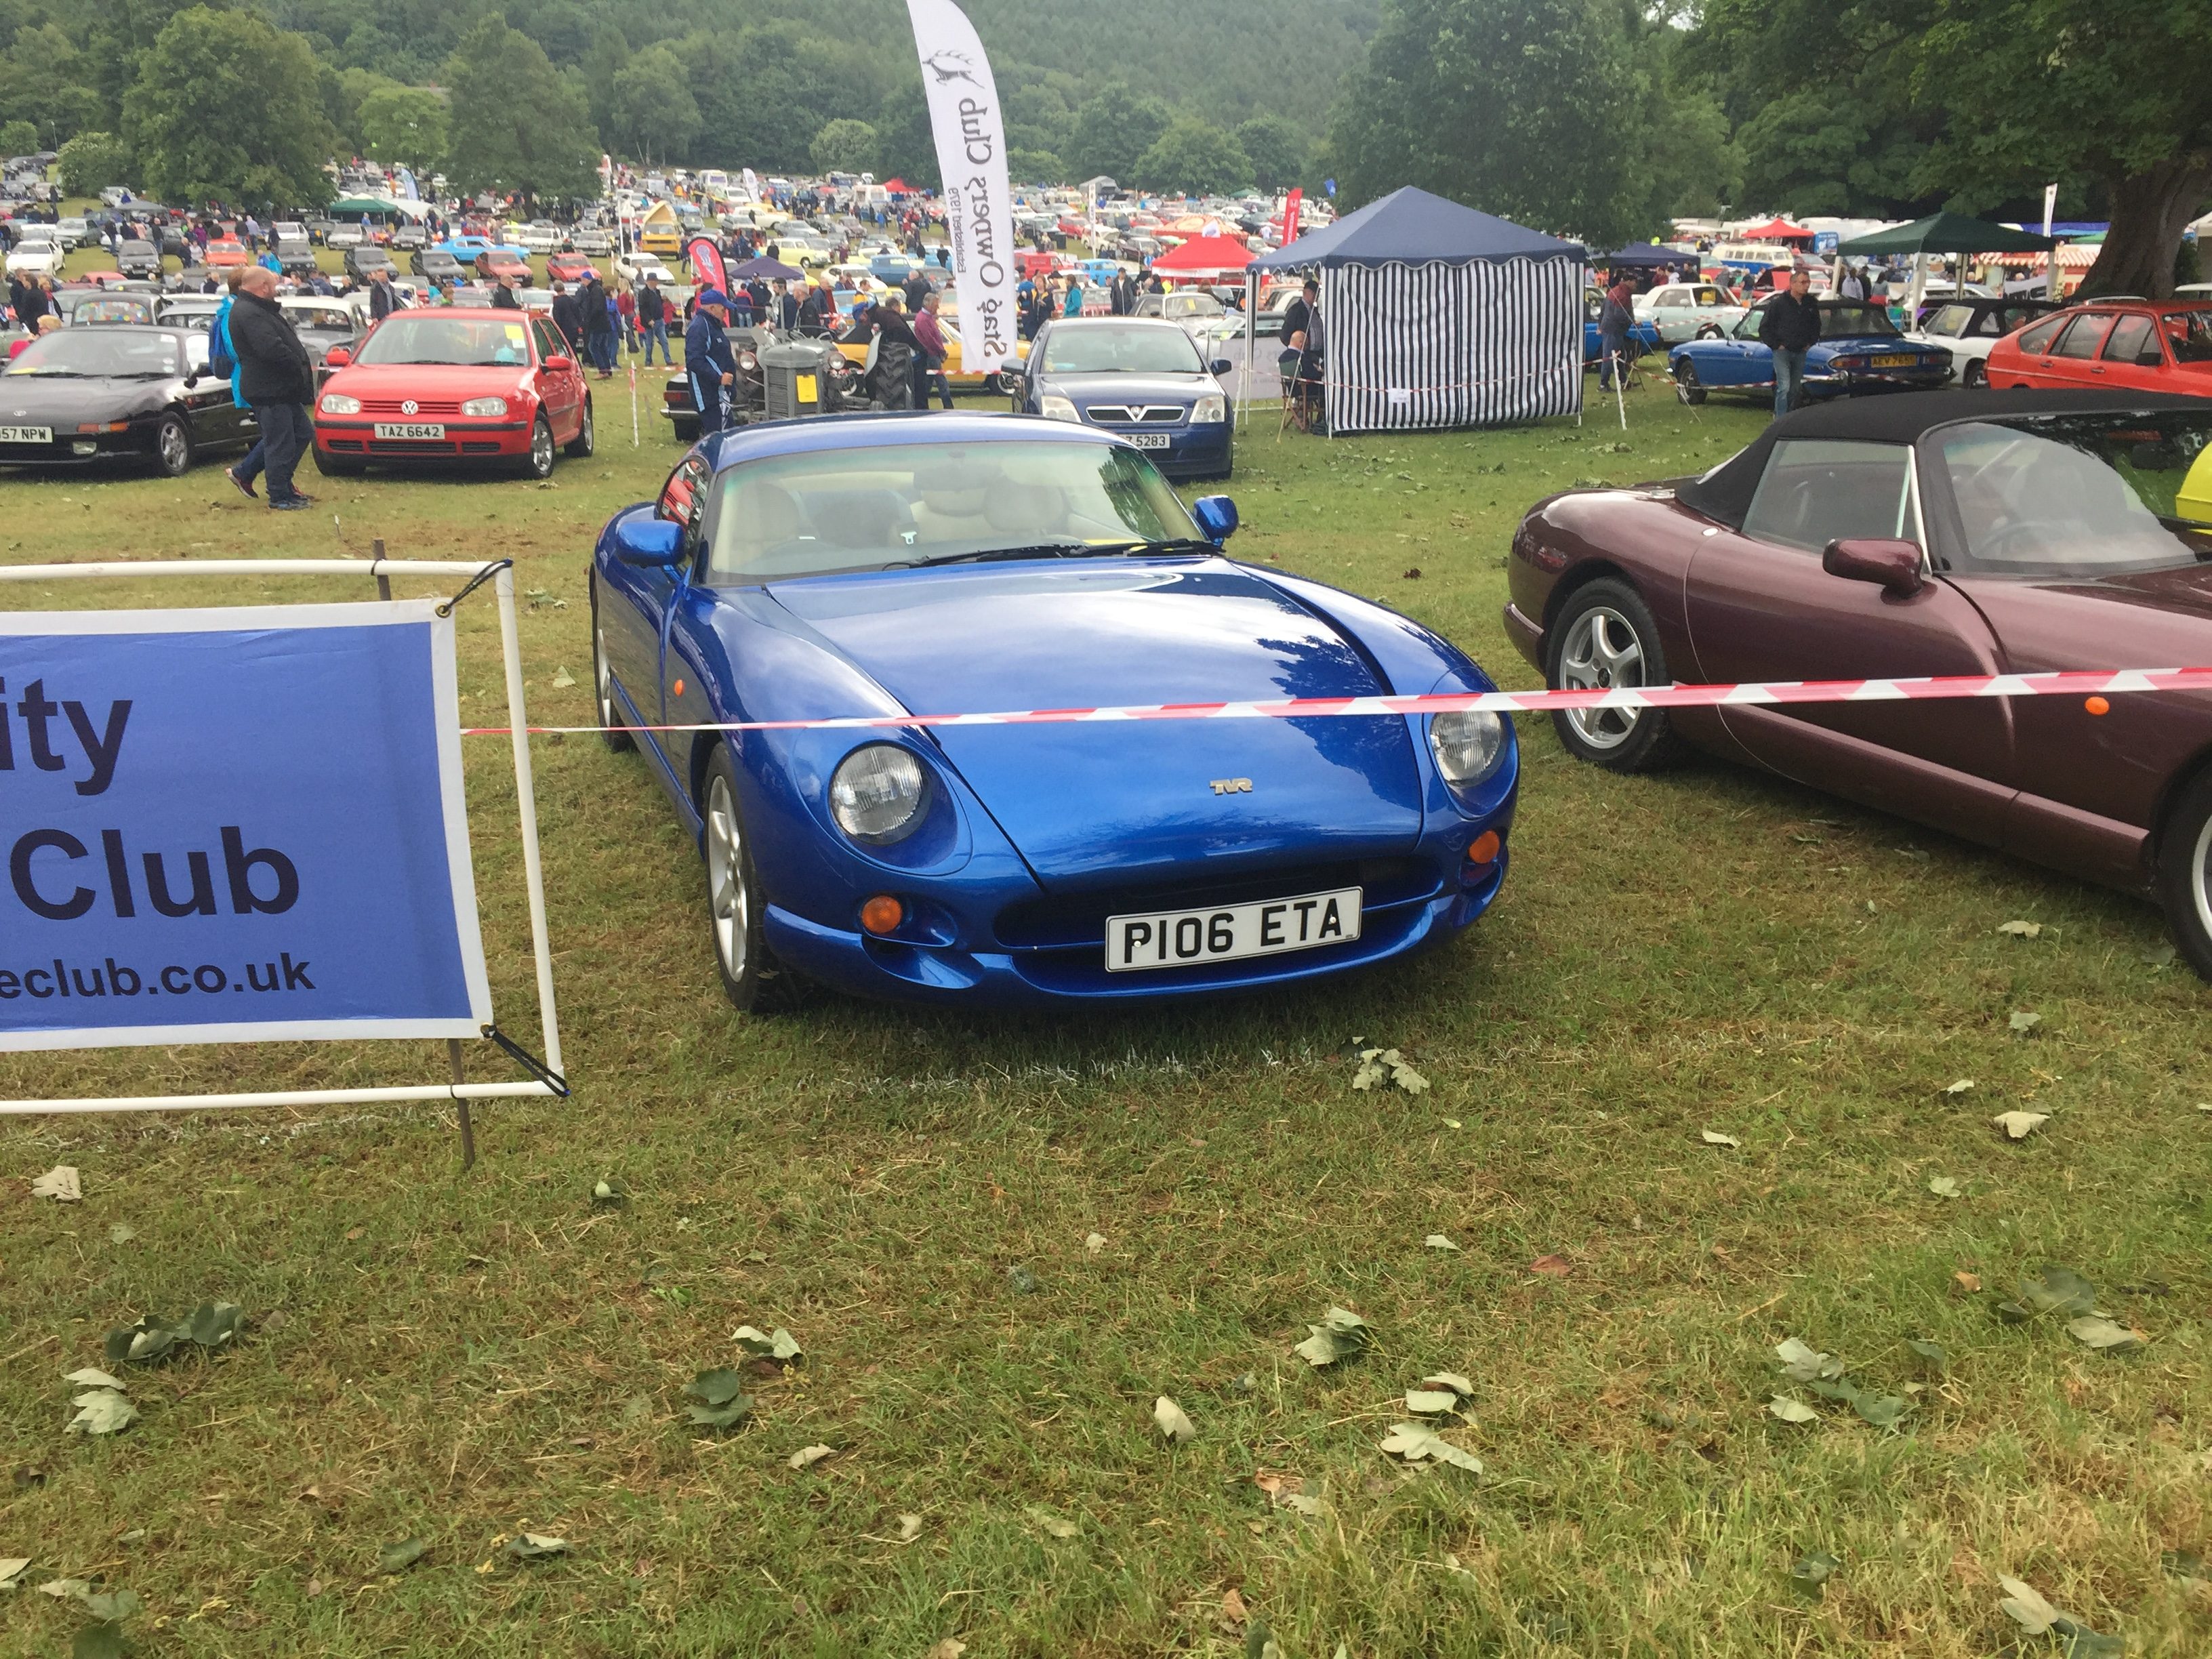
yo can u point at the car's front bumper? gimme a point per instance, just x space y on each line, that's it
343 438
70 448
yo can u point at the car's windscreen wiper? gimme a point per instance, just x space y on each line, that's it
1059 550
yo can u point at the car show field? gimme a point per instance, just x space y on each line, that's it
1717 1070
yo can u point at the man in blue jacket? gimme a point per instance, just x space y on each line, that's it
708 360
219 351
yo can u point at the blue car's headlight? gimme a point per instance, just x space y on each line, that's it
1467 746
877 793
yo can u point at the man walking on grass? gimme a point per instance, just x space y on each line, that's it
1788 328
276 379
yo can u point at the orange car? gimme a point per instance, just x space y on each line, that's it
225 251
2127 345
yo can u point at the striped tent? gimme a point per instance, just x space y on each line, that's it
1436 315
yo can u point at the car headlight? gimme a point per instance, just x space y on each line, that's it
336 403
877 793
1468 745
483 407
1054 407
747 361
1213 408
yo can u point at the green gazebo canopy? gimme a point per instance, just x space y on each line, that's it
1948 233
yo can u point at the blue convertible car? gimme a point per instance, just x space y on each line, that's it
1859 350
1141 378
869 565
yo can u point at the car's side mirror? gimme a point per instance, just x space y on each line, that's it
558 365
1892 566
1221 365
1216 516
336 357
656 542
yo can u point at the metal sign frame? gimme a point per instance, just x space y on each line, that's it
382 569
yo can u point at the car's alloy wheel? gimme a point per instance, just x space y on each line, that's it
539 462
1687 386
173 447
1605 638
586 436
2185 873
736 910
1710 332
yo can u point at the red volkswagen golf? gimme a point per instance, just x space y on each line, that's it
453 384
2129 345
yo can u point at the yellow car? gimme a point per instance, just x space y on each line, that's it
856 353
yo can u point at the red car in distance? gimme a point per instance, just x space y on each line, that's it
449 385
2119 346
569 268
499 265
224 251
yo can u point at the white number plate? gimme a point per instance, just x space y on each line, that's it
1149 439
1177 938
27 435
408 429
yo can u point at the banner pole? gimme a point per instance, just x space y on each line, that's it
533 870
1620 388
468 1130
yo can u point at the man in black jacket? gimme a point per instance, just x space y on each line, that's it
1788 328
568 318
276 379
382 302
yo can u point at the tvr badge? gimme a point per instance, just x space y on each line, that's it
1232 786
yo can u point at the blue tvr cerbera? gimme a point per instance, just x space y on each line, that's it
884 564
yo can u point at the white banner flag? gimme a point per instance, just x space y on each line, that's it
971 155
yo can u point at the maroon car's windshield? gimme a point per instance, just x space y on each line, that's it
2083 494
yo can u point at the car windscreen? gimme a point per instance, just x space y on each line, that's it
2083 494
140 250
89 352
327 318
1954 320
907 504
1113 348
462 342
1845 322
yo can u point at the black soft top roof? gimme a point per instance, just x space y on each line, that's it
1724 493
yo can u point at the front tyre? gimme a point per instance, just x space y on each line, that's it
1605 638
539 462
2184 874
586 436
613 732
1976 376
737 910
173 447
1687 385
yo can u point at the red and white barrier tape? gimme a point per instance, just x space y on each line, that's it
2092 683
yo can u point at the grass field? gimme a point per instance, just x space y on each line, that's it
457 1358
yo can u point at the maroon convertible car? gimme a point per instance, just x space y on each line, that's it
1957 533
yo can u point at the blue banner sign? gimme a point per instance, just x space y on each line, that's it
234 826
1826 241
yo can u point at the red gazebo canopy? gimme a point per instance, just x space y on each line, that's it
897 187
1776 229
1205 255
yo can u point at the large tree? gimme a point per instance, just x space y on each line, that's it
2049 89
653 113
1278 151
906 144
1113 130
519 124
1524 108
844 146
91 161
227 108
1194 158
405 126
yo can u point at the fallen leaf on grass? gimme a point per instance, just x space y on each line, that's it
2021 929
1551 1267
1944 1186
807 1456
1173 1422
1021 1281
2020 1125
909 1527
1416 1441
2101 1332
1792 1411
1970 1283
1882 1410
1458 1385
1341 1334
59 1183
102 1411
11 1570
396 1558
723 1402
2059 1290
2159 956
210 1326
1803 1362
64 1589
1093 1243
1934 1352
563 679
1430 1402
1714 1137
2024 1606
782 1347
92 1377
951 1648
121 1232
1958 1088
1057 1526
2024 1022
1438 1241
1812 1570
1380 1066
535 1546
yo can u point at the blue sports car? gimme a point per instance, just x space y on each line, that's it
872 565
1141 378
1642 336
1859 350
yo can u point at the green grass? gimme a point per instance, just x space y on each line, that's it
456 1357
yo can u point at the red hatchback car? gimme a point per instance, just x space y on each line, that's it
500 265
570 268
2119 346
453 384
1951 533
